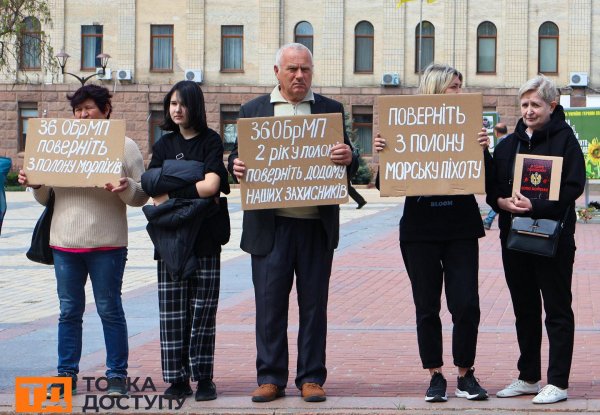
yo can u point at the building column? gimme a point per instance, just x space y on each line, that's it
126 26
514 52
394 22
455 36
331 68
269 18
56 36
195 34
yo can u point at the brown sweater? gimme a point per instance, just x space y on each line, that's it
92 217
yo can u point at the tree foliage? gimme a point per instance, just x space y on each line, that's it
13 15
364 174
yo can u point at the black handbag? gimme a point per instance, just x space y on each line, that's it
534 236
40 250
219 224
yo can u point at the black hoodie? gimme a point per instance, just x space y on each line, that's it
556 138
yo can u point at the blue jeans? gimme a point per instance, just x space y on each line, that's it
105 269
490 217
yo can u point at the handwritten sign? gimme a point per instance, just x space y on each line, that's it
432 146
287 161
74 153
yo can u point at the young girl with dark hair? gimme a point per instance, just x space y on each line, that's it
188 307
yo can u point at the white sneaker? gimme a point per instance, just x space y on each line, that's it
550 394
518 388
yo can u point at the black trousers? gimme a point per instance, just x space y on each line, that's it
300 247
357 197
453 264
531 278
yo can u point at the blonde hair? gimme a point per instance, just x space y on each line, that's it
544 87
437 78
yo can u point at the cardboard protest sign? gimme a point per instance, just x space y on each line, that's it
537 177
74 153
287 161
431 145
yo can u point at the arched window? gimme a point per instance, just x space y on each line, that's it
548 48
303 33
30 52
486 48
364 37
424 45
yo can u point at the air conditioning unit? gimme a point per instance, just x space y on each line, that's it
107 74
124 74
193 75
578 79
390 79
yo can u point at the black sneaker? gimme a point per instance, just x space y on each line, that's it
207 391
437 389
178 390
468 387
117 387
61 386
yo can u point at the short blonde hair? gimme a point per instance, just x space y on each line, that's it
437 78
544 87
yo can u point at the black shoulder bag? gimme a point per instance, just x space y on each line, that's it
534 236
40 250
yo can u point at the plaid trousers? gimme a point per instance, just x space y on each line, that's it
188 311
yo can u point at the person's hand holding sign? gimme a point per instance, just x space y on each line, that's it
239 168
483 138
517 204
379 143
340 154
123 184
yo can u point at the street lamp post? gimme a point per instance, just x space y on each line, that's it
62 57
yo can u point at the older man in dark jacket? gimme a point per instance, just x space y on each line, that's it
291 240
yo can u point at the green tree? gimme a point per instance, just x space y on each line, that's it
13 22
363 174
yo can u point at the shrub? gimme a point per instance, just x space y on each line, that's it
363 174
12 179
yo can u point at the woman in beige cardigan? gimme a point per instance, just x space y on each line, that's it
88 236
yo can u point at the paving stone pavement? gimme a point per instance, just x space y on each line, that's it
372 359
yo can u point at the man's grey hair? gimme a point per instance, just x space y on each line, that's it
296 46
544 87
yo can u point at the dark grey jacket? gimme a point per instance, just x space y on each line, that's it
173 226
258 227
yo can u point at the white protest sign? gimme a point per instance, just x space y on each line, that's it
287 161
74 153
431 145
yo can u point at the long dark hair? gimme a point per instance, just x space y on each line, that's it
99 94
192 98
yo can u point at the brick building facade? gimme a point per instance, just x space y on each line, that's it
357 45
